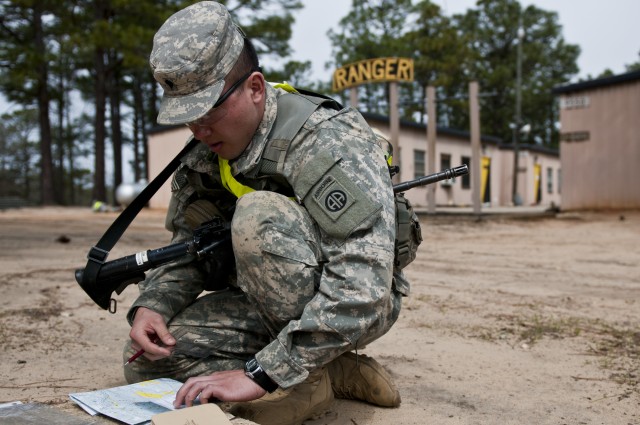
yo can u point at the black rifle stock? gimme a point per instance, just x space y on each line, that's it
116 275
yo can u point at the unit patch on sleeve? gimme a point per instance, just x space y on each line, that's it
337 203
333 196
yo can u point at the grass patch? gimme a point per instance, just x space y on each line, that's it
616 347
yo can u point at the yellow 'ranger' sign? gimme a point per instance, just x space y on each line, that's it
373 71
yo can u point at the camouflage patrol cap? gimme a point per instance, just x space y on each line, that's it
193 52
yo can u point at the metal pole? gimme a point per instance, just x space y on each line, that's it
353 97
474 114
431 146
394 125
515 197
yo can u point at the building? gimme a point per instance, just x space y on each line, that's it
538 181
539 167
164 143
600 143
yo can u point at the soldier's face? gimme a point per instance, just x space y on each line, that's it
228 128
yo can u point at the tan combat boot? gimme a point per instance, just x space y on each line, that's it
358 377
292 406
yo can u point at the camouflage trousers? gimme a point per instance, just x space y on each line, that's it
276 247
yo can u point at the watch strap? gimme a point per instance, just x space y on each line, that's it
254 371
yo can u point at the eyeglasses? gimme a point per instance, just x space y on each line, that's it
205 120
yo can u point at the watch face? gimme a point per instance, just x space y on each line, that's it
251 367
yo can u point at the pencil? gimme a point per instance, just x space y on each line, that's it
135 356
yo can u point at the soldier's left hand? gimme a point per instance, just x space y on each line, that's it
230 385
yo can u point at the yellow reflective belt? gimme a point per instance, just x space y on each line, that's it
229 182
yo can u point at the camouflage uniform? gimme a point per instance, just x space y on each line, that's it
312 281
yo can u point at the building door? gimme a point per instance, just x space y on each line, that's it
485 177
537 186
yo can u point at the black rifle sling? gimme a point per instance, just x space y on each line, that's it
98 254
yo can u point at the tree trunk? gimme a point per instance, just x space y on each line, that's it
138 126
60 189
70 156
116 128
153 113
46 163
99 187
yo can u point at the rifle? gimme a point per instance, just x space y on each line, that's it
116 275
447 174
208 239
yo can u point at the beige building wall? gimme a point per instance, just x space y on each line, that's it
600 143
448 193
163 147
538 177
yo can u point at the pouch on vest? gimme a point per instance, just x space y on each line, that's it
408 232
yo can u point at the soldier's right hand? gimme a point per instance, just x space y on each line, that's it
149 332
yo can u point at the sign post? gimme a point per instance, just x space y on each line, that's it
474 115
431 145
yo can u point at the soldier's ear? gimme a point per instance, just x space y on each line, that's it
257 86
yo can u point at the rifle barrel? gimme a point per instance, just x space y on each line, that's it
449 173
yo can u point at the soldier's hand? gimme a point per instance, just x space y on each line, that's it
230 385
149 332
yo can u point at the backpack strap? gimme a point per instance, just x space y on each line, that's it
301 104
98 254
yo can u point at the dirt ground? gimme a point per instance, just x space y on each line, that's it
510 321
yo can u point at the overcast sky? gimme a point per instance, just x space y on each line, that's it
607 31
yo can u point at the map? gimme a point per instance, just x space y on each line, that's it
132 404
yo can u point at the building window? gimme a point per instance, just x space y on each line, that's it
559 179
418 164
466 179
549 180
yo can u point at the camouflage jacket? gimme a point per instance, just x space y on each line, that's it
355 250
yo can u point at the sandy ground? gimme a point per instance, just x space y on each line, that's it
510 321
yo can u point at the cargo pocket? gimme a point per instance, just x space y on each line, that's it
279 242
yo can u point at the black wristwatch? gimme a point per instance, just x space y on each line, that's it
254 371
